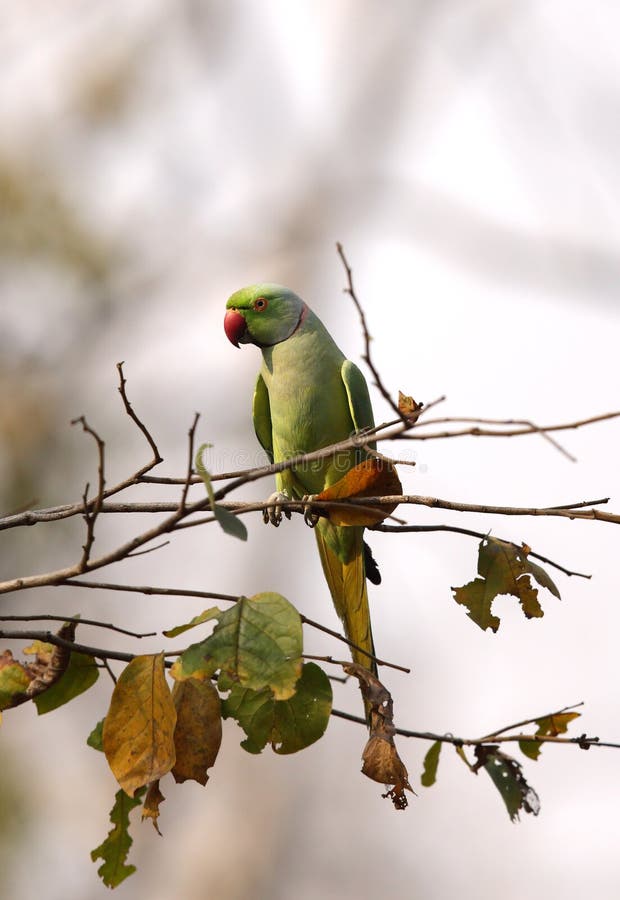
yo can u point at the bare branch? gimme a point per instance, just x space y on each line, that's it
528 428
190 463
477 534
583 741
157 458
350 290
45 617
91 512
147 589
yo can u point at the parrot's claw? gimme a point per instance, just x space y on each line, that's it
310 517
273 515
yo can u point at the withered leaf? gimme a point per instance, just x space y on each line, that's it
380 759
507 776
371 478
198 731
14 681
152 801
548 725
407 406
20 682
138 729
503 568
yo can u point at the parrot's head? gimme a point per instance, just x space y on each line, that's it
262 314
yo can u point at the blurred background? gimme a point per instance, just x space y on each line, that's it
155 157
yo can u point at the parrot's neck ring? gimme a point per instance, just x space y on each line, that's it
302 316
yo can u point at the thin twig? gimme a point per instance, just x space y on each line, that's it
492 735
91 512
582 741
147 589
190 463
231 598
476 431
470 533
366 356
45 617
106 665
157 458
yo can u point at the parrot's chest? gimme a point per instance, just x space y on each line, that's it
309 410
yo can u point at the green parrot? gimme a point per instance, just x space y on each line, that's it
309 396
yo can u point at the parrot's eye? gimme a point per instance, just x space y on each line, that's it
260 304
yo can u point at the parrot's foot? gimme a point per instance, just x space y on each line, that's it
310 517
273 515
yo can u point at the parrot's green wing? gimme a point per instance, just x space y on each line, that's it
358 396
261 413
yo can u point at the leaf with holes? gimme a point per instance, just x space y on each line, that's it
503 568
505 773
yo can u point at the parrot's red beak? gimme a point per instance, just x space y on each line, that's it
234 326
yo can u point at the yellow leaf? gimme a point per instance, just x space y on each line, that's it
138 731
198 732
371 478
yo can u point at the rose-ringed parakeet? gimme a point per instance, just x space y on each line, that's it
309 396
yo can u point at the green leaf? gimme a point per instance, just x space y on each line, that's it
431 761
229 523
113 851
504 569
257 643
505 773
95 738
205 616
290 725
79 676
531 749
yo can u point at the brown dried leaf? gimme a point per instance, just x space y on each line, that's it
380 758
152 801
407 406
371 478
198 732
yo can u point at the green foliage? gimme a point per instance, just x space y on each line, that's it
289 725
79 676
95 738
503 568
257 643
114 850
431 762
208 614
229 523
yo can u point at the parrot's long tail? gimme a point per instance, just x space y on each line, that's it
347 585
